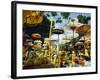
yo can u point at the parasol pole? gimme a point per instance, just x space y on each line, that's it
51 22
50 33
58 45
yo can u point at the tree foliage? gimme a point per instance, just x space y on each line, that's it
54 14
65 15
59 20
83 19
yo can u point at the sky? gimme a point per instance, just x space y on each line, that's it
72 15
67 33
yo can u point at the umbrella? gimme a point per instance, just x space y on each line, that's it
79 43
58 31
72 24
36 36
32 17
83 29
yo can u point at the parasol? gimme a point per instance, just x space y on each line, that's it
58 31
36 36
83 29
79 43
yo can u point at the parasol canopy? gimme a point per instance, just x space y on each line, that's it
72 24
83 29
32 17
36 36
79 43
58 31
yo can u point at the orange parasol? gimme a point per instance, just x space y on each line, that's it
36 36
83 29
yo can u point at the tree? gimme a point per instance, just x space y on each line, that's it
54 14
83 19
59 20
65 15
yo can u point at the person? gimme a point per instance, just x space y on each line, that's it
81 60
54 57
37 47
30 49
86 53
44 48
67 59
62 62
73 57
